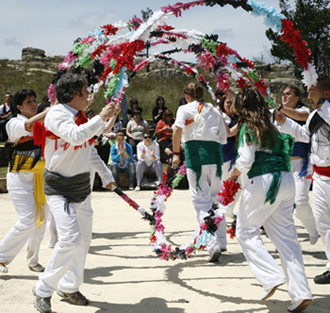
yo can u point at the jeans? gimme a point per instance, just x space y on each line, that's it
130 169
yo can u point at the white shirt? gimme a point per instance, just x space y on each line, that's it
208 125
147 158
65 160
320 154
16 129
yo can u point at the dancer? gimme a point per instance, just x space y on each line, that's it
25 183
203 130
70 154
317 132
301 166
267 200
229 151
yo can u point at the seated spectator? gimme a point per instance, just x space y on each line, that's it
122 159
5 116
148 159
135 130
182 101
164 133
133 106
111 135
158 110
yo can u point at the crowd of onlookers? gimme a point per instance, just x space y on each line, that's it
140 148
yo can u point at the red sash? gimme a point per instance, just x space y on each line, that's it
324 171
40 133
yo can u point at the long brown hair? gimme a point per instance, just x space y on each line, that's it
253 110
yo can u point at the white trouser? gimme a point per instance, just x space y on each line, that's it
321 204
66 265
303 209
24 231
204 197
52 230
278 223
241 180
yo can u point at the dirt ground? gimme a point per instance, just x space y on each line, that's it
123 274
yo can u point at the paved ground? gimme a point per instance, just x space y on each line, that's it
124 276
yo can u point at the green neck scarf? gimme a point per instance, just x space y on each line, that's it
265 163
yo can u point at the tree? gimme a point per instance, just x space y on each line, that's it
312 18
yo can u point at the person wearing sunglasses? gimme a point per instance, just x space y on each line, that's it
148 159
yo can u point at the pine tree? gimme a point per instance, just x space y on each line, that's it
312 18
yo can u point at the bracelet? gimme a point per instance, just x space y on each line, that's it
176 153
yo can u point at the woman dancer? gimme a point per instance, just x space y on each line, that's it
25 183
267 200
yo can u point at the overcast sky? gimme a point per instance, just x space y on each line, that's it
54 25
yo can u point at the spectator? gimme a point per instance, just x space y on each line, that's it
164 133
158 110
111 135
220 96
182 101
122 159
133 106
135 129
5 116
148 159
44 104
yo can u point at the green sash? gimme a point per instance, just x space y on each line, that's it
200 153
271 163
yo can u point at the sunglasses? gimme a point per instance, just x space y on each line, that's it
147 137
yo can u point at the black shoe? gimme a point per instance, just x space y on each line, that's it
323 278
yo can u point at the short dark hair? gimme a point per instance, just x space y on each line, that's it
295 89
149 132
18 99
323 82
68 85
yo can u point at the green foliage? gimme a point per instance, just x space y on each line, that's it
312 18
12 80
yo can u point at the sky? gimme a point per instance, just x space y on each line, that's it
54 25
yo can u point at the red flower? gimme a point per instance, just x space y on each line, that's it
109 30
242 83
293 38
229 190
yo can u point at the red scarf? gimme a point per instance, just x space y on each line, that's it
40 133
324 171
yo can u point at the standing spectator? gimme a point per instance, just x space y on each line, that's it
44 104
148 159
135 129
158 110
69 159
122 159
25 184
133 106
5 116
164 133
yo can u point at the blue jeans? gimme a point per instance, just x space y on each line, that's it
130 169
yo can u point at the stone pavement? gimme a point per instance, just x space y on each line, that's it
123 275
